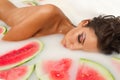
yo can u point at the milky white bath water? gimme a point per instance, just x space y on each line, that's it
53 50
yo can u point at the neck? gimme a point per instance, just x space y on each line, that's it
65 26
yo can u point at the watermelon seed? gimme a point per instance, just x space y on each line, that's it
57 74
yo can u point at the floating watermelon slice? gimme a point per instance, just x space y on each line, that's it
3 30
19 56
17 73
116 63
54 69
31 2
90 70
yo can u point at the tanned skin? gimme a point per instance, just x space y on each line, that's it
34 21
37 21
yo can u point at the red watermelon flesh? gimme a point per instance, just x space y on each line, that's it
58 70
91 70
87 73
16 57
3 30
28 50
69 69
18 73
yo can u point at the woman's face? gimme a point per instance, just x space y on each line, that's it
81 38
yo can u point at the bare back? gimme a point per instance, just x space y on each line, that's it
32 21
21 14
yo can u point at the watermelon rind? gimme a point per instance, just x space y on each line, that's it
116 58
25 60
98 67
28 74
38 72
32 2
4 29
116 62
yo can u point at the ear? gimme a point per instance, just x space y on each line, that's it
84 22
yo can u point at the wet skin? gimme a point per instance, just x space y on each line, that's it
36 21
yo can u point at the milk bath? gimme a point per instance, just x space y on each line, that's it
53 50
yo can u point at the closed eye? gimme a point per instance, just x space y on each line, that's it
79 38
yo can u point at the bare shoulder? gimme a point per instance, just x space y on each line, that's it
50 9
20 14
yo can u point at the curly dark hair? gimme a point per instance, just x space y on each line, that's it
107 29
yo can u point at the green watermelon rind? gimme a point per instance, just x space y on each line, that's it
25 60
38 72
4 28
29 73
98 67
30 69
32 2
116 58
116 62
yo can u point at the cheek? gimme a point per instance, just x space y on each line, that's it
90 45
70 35
71 39
68 38
72 31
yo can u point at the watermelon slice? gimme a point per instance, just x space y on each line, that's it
90 70
54 69
17 73
31 2
116 63
19 56
69 69
3 30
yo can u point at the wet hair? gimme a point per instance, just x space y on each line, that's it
107 29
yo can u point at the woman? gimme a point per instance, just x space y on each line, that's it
99 34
